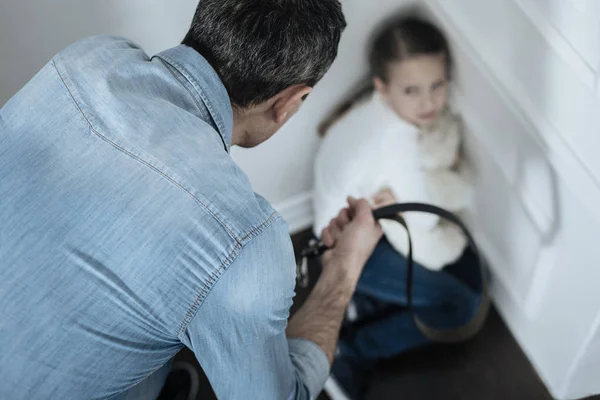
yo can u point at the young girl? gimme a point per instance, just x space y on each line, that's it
398 142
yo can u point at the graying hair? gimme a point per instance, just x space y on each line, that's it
261 47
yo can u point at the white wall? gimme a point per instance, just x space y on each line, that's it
528 75
32 31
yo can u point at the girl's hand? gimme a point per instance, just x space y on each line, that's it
384 197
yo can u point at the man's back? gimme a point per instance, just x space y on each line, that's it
120 209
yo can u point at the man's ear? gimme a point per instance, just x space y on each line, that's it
288 102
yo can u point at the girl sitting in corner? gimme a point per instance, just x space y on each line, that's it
397 141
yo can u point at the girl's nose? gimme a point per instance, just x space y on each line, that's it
427 103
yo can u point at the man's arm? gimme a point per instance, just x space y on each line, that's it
320 318
352 237
239 332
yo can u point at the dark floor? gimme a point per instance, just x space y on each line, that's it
490 367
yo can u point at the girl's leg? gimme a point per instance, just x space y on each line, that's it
439 298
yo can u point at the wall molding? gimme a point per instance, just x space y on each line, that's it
558 42
297 211
580 356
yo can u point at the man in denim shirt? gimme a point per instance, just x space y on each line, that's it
127 231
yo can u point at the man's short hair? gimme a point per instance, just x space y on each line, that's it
261 47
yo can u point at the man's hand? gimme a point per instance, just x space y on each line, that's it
351 236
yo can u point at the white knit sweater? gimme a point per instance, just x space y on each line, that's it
371 148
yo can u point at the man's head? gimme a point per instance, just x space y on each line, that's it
269 55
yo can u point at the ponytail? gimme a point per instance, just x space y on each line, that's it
360 93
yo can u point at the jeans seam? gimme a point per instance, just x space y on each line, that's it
140 160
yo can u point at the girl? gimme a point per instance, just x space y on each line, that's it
397 141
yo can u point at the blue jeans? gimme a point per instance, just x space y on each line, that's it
443 299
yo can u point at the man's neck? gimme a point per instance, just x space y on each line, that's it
239 126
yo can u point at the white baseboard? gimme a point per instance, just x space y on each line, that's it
297 211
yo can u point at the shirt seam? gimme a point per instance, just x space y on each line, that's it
212 280
143 162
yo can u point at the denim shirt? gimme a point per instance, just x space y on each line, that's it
127 232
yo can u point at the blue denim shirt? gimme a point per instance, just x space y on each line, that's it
127 232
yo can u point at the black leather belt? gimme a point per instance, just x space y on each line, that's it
446 335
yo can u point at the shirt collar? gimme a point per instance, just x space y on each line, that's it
204 84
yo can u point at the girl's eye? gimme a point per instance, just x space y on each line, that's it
438 85
411 90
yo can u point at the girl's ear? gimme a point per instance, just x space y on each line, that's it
380 86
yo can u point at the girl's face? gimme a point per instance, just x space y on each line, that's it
417 88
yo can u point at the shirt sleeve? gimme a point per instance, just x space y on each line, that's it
238 334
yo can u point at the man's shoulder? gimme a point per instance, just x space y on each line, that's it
178 145
98 44
222 192
99 64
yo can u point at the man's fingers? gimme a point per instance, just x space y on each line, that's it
334 229
343 218
327 238
359 207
